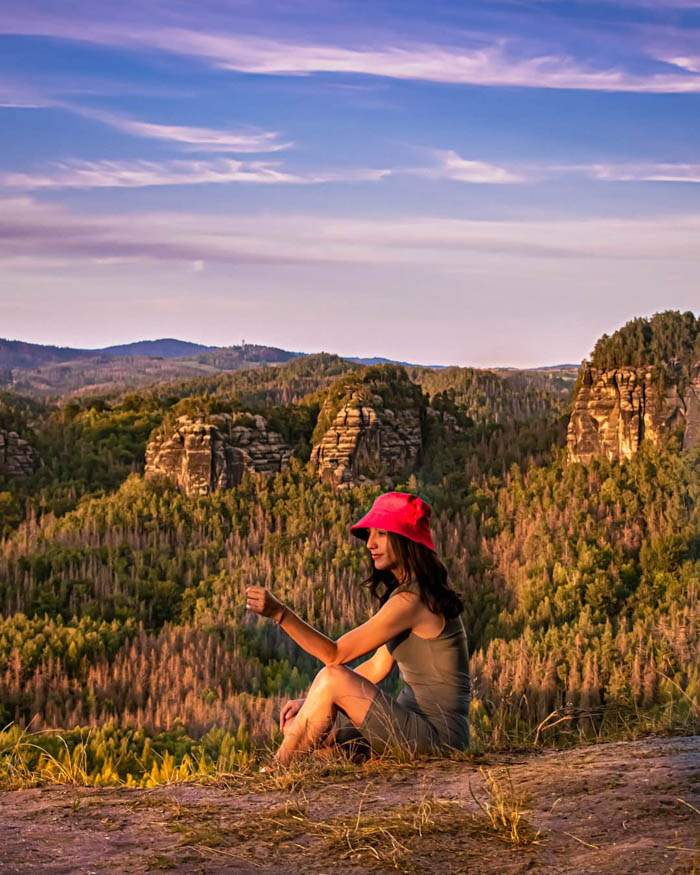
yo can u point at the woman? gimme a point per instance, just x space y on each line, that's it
418 626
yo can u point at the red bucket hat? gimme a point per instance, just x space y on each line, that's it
398 512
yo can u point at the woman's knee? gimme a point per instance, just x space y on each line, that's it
329 678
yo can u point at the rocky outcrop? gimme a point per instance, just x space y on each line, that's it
18 458
205 454
448 421
616 410
367 440
691 400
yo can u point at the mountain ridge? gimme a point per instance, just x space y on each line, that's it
16 353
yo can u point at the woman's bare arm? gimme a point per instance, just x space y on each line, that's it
396 615
378 667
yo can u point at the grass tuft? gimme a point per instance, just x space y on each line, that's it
503 809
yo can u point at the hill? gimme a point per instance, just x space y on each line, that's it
121 598
19 354
113 373
166 347
49 371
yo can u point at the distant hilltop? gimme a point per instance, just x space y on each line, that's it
20 354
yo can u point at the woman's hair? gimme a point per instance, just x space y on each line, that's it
423 565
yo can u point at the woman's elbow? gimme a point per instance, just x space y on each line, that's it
335 657
332 657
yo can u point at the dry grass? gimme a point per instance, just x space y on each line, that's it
17 769
503 809
26 761
373 836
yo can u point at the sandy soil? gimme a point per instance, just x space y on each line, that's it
618 808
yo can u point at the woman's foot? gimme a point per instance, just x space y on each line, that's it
324 753
319 754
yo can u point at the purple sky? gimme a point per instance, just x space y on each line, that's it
485 183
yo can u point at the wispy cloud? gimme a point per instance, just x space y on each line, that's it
18 95
504 57
195 138
35 230
140 174
646 172
450 165
34 233
502 62
690 64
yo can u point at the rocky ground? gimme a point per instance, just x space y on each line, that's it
627 807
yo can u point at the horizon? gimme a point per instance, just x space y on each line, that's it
441 183
82 348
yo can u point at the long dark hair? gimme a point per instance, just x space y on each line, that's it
422 565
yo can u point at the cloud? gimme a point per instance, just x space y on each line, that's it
36 231
500 62
18 95
450 165
503 58
141 174
646 172
692 65
197 139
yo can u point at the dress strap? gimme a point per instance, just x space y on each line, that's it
410 585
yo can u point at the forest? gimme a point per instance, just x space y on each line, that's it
122 599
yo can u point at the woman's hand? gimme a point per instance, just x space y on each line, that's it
290 709
263 602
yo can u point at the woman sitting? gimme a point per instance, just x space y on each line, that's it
418 626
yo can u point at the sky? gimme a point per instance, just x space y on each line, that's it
482 183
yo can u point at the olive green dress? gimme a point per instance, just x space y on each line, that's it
430 714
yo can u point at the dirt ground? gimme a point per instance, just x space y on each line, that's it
627 807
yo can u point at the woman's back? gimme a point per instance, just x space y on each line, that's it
436 672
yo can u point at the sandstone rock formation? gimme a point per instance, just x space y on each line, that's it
448 421
368 440
18 458
616 410
204 454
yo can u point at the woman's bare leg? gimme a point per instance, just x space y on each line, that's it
331 686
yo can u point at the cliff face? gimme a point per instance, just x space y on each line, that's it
204 454
18 458
368 440
616 410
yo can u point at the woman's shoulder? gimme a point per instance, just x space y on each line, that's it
407 586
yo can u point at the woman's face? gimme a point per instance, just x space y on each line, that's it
380 549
